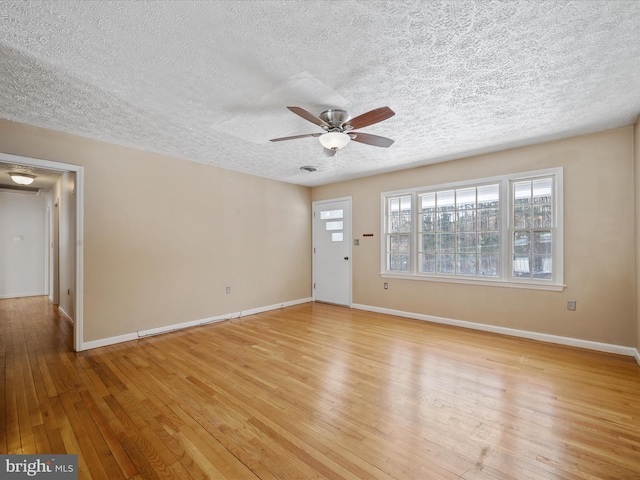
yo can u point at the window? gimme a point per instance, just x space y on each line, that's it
459 231
398 221
532 232
502 231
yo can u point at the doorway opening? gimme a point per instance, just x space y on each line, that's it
75 175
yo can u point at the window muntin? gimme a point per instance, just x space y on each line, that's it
500 231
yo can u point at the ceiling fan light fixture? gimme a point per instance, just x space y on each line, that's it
22 178
334 140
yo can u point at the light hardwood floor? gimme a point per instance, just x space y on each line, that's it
316 391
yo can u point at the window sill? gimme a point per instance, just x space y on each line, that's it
554 287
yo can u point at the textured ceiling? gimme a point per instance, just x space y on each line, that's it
210 81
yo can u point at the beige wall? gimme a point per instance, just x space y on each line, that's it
163 237
599 242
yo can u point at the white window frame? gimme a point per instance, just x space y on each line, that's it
505 277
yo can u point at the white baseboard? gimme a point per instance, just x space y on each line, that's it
193 323
544 337
65 314
21 295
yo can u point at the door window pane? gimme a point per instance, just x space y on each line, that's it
337 236
334 225
331 214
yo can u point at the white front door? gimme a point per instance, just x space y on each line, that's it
332 251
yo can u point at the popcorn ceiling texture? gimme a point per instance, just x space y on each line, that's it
210 81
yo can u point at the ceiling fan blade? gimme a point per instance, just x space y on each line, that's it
329 152
309 117
369 118
295 136
369 139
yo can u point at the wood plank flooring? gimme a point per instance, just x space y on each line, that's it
316 391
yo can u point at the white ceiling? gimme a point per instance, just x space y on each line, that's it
210 81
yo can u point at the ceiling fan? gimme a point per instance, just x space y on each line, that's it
338 128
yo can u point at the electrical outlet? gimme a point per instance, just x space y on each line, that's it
571 305
386 286
228 289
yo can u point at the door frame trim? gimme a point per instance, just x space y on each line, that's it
78 324
313 244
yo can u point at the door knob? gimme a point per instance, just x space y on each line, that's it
346 258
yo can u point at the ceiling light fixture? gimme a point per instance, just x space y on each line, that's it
334 140
22 178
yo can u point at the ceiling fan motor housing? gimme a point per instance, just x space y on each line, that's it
335 117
